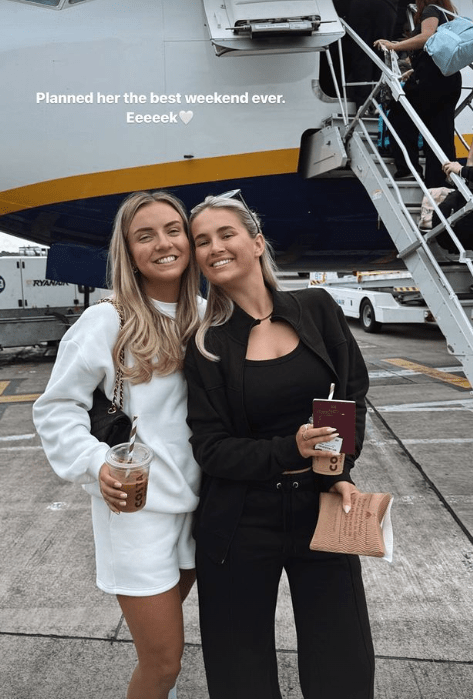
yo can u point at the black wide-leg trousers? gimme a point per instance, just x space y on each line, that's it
435 104
237 601
371 20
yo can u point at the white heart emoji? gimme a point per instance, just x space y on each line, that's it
185 117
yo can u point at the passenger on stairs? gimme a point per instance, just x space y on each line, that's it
463 228
465 171
369 19
433 96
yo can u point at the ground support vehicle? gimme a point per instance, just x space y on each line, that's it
34 309
376 298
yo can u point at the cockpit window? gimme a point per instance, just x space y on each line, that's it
57 4
54 3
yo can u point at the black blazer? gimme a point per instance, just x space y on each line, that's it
222 443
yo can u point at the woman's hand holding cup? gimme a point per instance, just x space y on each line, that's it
308 437
325 462
110 489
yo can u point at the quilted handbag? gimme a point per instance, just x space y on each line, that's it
451 46
108 422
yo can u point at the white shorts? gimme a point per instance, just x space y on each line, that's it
140 553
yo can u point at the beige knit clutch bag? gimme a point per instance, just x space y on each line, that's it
360 531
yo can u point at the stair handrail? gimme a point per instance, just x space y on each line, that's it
422 240
342 103
427 251
397 91
391 79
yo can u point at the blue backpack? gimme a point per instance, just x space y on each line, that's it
451 47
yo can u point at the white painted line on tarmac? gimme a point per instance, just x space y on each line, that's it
434 406
454 440
386 374
410 409
457 440
17 437
391 374
38 448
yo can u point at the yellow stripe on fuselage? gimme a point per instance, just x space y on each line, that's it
172 174
460 149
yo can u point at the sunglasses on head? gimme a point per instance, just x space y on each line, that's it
236 194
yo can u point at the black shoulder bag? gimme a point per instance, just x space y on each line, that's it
108 422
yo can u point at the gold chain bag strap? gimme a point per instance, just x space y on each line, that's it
108 422
365 531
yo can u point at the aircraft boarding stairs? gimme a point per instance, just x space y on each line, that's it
444 280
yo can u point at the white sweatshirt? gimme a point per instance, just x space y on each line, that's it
84 361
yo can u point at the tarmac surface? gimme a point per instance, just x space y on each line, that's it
62 637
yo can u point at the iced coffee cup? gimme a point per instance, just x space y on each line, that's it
341 416
328 465
133 473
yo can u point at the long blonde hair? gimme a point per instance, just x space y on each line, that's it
219 304
154 340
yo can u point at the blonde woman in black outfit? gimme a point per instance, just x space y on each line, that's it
254 367
433 95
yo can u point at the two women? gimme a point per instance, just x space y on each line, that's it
146 558
258 359
433 95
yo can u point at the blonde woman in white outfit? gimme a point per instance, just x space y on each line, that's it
146 558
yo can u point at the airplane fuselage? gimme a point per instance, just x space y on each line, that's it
101 99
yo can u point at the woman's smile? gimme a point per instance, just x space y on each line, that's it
219 263
166 260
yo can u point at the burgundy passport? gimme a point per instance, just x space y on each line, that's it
340 414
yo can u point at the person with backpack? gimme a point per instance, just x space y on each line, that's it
433 95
